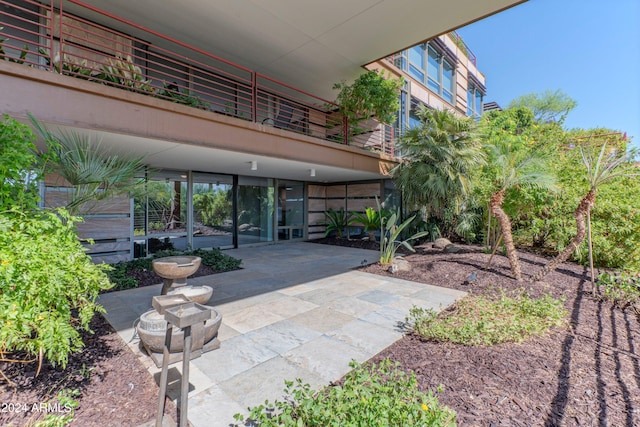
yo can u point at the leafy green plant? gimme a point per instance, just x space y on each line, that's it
93 173
482 320
66 404
389 235
336 221
173 93
622 288
372 94
370 395
20 59
19 168
48 284
124 73
370 219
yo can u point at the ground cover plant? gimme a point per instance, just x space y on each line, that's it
369 395
488 320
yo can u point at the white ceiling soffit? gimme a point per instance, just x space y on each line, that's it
309 44
162 154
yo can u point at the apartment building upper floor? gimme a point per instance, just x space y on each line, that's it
173 53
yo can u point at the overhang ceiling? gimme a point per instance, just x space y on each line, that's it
307 44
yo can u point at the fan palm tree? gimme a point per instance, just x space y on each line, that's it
440 156
515 168
607 166
93 173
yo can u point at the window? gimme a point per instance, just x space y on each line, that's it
431 67
441 75
474 100
416 62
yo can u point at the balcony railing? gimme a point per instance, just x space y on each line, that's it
141 60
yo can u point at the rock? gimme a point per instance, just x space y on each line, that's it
399 264
441 243
452 249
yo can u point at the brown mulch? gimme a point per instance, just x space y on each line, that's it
116 389
584 374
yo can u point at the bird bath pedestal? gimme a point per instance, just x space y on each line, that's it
183 316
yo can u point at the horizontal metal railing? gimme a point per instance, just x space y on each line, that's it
137 59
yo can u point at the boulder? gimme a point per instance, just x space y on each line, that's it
399 264
441 243
452 249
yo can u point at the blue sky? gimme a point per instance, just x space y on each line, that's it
590 49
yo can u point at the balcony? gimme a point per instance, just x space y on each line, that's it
113 51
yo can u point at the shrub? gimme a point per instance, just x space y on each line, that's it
337 221
18 182
371 394
480 320
48 285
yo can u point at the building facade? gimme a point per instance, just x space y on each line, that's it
237 155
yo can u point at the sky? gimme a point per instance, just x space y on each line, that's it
589 49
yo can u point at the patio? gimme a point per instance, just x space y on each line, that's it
296 310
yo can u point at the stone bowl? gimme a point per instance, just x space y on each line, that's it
199 294
152 329
176 267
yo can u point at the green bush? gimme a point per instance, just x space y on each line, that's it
48 285
480 320
621 288
370 395
18 179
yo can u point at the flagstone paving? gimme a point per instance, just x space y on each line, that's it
295 310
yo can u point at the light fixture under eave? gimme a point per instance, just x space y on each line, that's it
254 165
312 172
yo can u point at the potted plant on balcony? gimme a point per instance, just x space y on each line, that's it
372 95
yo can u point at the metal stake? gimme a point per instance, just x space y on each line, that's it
163 376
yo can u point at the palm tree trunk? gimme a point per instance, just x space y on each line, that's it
580 214
505 224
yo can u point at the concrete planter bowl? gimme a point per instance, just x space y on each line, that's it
199 294
175 270
152 329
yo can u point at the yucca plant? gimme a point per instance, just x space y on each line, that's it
607 166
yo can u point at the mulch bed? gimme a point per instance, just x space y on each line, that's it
587 373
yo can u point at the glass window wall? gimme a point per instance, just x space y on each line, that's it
212 210
256 205
290 210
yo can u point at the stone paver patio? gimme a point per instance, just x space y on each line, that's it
294 310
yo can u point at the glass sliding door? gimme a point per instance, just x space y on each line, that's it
212 210
160 217
290 210
255 221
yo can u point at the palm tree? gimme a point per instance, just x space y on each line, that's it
440 156
93 174
608 166
515 168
